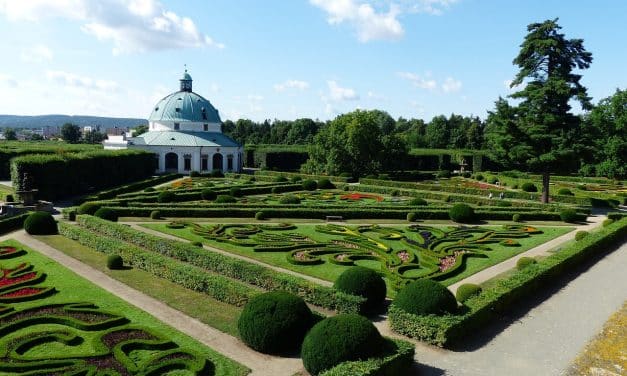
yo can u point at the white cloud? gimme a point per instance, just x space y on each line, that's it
292 84
338 93
75 81
374 96
255 97
370 21
419 81
364 18
36 54
132 25
451 85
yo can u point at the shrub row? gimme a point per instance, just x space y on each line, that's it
617 215
266 173
21 148
490 303
127 188
188 276
397 363
12 223
228 266
64 175
470 191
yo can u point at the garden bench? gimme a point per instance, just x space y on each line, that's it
334 218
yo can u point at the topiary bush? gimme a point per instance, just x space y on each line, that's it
479 177
565 192
443 174
417 201
493 180
529 187
115 262
579 235
88 208
289 200
40 223
516 217
236 192
260 215
194 174
467 290
196 244
569 215
462 213
225 199
411 217
607 222
524 262
280 179
424 297
338 339
296 179
365 282
275 322
106 213
166 196
208 194
155 214
325 184
9 198
217 173
310 185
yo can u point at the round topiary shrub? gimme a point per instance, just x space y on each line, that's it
524 262
289 200
166 196
260 215
325 184
194 174
280 179
479 177
236 192
88 208
149 189
493 180
155 214
411 217
275 322
9 198
115 262
197 244
607 222
106 213
363 282
417 201
462 213
40 223
579 235
208 194
339 339
565 192
225 199
467 290
296 179
569 215
516 217
529 187
424 297
310 185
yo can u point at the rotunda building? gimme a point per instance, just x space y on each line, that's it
184 130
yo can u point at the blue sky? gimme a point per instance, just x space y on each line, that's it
287 59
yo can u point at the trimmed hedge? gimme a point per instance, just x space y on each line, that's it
64 175
529 187
525 262
12 223
466 290
166 196
339 339
569 215
579 235
365 282
208 194
275 322
424 297
225 199
237 269
146 185
89 208
486 307
40 223
106 213
399 362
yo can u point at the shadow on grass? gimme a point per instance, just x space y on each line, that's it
515 313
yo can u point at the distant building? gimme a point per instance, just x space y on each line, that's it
184 130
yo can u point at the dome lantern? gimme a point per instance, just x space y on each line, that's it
186 82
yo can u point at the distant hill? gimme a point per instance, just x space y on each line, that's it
42 121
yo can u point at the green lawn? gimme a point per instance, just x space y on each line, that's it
329 271
86 343
212 312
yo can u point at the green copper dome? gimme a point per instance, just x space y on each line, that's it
184 106
186 76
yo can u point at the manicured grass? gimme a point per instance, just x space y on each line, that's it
212 312
329 271
73 288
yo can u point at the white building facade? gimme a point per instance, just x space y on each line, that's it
184 131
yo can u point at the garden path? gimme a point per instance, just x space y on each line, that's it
593 222
137 226
541 336
260 364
